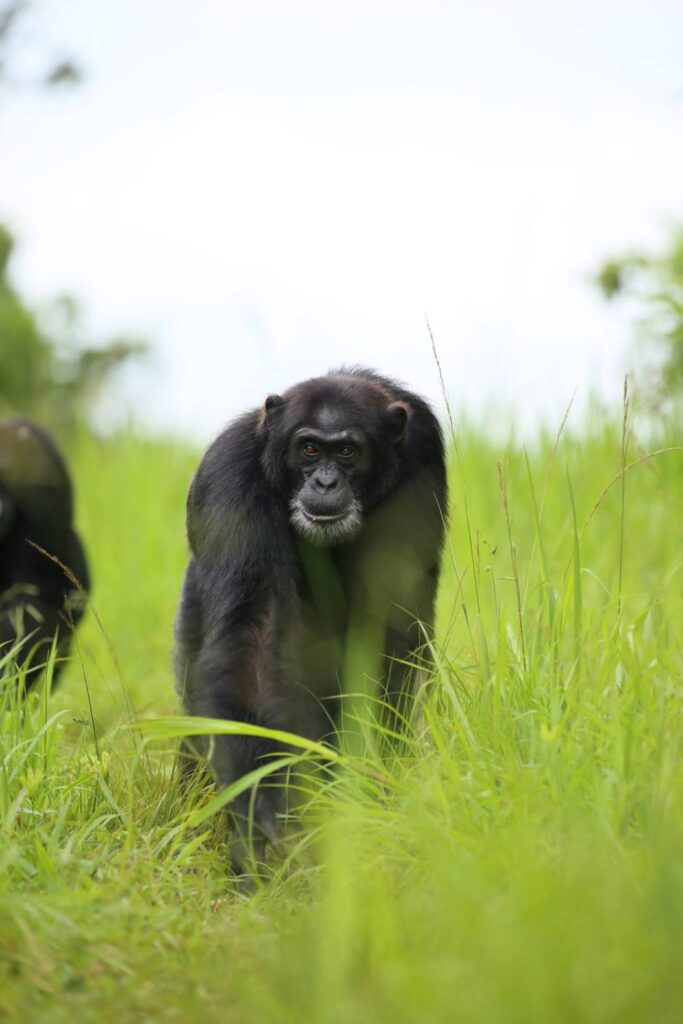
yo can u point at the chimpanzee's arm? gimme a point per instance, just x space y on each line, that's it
7 511
221 659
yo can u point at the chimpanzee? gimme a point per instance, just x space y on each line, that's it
38 601
314 523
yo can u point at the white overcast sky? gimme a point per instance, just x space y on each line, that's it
267 189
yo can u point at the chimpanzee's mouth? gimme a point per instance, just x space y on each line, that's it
316 518
325 529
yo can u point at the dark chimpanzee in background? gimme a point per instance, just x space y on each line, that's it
312 522
38 602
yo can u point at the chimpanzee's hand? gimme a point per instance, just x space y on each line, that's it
256 819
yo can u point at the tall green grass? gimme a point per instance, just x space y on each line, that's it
518 858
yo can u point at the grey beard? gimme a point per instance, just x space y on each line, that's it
323 534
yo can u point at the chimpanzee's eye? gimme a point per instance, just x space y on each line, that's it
347 452
310 450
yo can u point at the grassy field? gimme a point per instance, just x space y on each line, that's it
520 860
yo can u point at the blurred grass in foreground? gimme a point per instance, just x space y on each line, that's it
521 859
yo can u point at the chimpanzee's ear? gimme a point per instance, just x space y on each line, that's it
397 415
270 406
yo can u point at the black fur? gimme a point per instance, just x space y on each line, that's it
323 509
38 602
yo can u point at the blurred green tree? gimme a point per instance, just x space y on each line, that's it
58 71
655 282
26 357
45 367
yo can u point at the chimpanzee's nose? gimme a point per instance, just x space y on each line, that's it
325 479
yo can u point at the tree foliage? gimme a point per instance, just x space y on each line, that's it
57 72
46 369
655 281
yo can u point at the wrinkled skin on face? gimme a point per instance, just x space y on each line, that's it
330 466
338 452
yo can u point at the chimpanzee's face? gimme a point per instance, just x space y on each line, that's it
330 462
337 453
